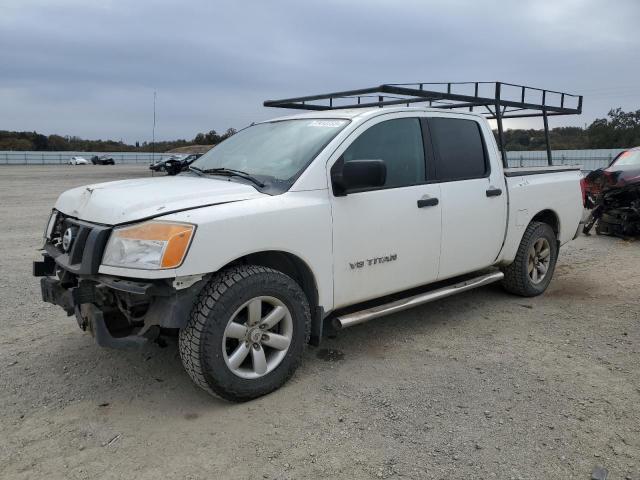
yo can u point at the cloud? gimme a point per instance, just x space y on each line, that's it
79 68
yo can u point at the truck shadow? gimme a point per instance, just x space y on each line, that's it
373 338
154 377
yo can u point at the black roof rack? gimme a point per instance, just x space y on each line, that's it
495 100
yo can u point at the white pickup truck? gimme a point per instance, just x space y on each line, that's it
319 220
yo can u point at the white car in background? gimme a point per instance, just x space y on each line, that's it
78 161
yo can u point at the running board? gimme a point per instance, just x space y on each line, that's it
351 319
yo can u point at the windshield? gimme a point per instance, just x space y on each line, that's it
625 159
273 152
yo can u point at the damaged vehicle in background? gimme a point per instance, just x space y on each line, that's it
614 195
174 164
102 160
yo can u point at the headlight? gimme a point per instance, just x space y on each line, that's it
149 245
50 224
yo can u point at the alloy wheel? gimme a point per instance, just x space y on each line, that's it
539 260
257 337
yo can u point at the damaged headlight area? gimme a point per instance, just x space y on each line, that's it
150 245
51 223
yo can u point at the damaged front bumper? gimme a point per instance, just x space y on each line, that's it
118 312
614 197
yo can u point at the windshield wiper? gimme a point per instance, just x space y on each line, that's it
196 169
230 172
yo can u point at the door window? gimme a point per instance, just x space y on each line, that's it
459 149
398 143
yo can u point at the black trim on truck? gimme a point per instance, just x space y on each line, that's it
518 172
84 254
91 318
118 312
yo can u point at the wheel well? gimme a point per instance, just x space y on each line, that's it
288 264
550 218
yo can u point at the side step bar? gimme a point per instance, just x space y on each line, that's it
351 319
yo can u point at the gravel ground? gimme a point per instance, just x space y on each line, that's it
482 385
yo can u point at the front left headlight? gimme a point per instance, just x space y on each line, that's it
150 245
50 224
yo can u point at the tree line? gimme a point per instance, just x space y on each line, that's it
34 141
619 129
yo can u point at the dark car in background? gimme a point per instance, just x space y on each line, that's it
174 164
102 160
614 195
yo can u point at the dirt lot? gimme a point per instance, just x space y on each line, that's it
483 385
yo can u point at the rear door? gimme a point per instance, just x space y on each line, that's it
386 239
473 195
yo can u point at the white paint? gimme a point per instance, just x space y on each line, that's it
124 201
522 218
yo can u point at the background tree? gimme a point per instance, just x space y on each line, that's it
200 139
212 137
620 130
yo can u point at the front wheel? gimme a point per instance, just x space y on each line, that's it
246 334
531 271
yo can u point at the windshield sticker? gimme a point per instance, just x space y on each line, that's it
326 123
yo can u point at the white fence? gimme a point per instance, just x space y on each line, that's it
589 159
59 158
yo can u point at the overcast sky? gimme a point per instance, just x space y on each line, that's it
76 67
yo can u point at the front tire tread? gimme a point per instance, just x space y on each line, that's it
193 341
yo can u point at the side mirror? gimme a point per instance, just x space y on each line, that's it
357 174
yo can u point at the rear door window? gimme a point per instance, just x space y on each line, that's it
459 148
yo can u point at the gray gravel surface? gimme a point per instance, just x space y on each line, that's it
482 385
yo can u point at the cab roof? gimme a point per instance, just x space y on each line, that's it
361 113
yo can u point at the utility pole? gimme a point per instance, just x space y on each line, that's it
153 134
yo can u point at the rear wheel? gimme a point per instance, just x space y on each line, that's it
247 333
531 271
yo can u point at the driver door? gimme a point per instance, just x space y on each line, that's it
386 239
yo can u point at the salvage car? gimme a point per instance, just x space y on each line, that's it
174 164
78 161
102 160
613 194
300 224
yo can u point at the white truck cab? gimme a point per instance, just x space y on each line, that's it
298 224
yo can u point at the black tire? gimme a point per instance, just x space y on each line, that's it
516 276
201 341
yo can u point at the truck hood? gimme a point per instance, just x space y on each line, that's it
124 201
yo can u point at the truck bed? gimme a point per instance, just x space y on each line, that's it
554 190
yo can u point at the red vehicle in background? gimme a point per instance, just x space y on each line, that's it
614 195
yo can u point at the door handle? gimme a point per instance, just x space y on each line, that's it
427 202
494 192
